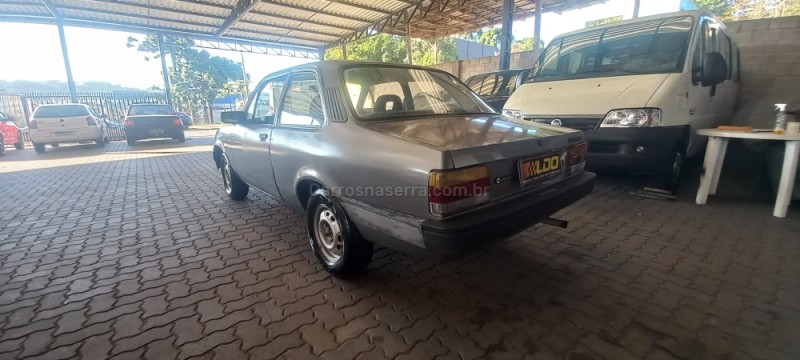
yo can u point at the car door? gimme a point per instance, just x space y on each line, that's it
296 142
256 166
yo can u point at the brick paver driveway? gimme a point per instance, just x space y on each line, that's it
136 253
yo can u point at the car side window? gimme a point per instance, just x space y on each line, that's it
265 102
2 117
302 105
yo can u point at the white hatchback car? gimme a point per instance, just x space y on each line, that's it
65 123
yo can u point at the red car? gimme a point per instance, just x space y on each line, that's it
9 134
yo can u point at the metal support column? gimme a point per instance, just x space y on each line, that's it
244 77
164 72
321 54
73 92
408 43
537 25
636 4
505 34
344 51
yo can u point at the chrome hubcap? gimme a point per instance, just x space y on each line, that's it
226 176
328 235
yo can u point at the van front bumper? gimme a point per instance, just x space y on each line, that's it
644 150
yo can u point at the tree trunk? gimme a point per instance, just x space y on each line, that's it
210 113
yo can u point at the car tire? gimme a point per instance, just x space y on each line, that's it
336 242
672 175
131 141
20 144
106 140
181 138
55 145
2 146
101 141
234 187
39 148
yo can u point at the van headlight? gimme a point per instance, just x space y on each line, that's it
513 114
632 118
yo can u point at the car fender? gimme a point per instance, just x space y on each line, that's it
217 151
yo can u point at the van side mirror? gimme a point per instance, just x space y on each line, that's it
715 69
233 117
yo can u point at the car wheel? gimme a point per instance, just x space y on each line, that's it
131 141
2 146
106 140
672 175
101 142
234 187
39 148
55 145
335 240
20 144
181 138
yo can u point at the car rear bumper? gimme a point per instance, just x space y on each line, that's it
65 135
505 219
449 237
153 132
642 150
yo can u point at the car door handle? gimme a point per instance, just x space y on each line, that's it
264 137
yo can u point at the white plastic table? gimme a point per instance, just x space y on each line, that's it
715 155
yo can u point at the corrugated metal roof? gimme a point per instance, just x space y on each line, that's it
305 24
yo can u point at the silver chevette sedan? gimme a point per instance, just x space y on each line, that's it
402 156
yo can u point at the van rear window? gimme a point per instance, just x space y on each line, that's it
60 111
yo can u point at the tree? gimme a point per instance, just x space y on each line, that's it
195 76
750 9
392 49
721 8
526 44
490 37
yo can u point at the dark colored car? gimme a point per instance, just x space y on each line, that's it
150 121
10 133
496 87
187 120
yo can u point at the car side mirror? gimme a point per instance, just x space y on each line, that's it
233 117
715 69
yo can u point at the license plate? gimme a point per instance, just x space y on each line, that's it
64 133
539 168
156 131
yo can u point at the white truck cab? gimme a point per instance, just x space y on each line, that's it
638 89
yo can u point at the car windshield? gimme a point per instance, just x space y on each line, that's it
648 47
495 84
151 110
60 111
385 92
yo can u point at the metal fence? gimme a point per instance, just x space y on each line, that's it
112 104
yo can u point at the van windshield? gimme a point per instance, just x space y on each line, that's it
647 47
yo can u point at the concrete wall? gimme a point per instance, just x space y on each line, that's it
770 50
770 54
463 69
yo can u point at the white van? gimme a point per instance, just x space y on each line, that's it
638 89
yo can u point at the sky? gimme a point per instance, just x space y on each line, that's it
32 52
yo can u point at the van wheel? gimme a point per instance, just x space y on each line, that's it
20 144
234 187
335 240
39 148
672 175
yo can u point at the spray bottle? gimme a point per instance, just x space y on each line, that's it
780 119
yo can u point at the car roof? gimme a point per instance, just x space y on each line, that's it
65 104
693 13
326 66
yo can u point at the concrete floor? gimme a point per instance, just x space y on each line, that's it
137 253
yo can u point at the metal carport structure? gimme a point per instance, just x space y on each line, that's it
301 28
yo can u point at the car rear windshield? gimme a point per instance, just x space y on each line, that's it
60 111
387 92
647 47
151 110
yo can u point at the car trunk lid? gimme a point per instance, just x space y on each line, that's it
153 121
62 123
507 148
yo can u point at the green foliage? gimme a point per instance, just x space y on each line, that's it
750 9
527 44
490 37
390 48
195 76
721 8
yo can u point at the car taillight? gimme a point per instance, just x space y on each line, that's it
33 125
576 158
128 122
450 191
177 121
90 121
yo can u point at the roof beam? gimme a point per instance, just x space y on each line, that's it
258 23
300 19
318 11
241 8
120 13
51 8
362 7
